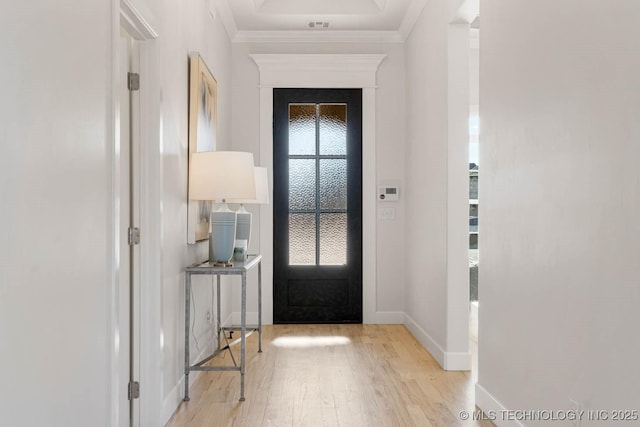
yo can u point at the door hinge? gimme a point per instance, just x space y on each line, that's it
133 81
134 236
134 390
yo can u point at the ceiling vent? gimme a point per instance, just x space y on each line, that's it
318 25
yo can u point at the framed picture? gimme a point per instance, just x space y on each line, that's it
203 126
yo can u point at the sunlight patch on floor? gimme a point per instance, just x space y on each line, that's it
309 341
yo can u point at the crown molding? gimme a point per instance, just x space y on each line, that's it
380 3
411 17
226 15
317 36
467 11
303 70
135 22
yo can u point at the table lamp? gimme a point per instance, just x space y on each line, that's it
220 176
243 227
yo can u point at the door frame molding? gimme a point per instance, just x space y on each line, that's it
124 14
323 71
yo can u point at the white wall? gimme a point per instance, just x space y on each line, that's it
560 101
437 84
474 67
389 151
426 77
183 27
55 179
55 222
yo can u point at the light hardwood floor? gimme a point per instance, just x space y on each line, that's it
331 375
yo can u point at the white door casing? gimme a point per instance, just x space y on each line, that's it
323 71
128 208
147 173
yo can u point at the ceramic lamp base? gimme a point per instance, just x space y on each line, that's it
243 224
240 251
243 234
223 234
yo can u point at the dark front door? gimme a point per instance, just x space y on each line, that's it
317 205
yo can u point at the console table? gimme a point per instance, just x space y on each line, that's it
240 269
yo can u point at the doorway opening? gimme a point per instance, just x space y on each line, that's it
129 220
474 171
135 330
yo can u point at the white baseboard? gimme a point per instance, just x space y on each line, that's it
252 318
174 398
229 320
449 361
423 338
490 405
457 361
378 318
386 318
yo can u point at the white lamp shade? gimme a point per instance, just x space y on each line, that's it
262 188
221 175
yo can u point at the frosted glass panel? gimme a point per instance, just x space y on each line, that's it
302 239
333 129
333 239
302 129
333 183
302 184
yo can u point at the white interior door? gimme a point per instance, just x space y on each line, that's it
129 218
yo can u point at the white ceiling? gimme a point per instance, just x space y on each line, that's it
289 20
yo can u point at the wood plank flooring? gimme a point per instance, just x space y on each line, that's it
331 376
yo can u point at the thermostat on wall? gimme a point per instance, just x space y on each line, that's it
388 194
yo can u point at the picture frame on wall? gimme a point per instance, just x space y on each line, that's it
203 126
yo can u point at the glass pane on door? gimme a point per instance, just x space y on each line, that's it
302 184
333 239
333 129
302 129
333 183
302 239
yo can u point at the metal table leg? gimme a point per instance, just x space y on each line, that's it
219 326
187 309
260 307
243 333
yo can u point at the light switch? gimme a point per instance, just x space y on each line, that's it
387 214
